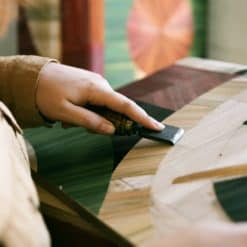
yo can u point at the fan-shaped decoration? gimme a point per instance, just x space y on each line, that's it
159 32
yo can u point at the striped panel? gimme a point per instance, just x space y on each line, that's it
78 162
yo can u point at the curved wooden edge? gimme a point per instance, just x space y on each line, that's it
127 204
216 145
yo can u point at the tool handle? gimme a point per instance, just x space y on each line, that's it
124 126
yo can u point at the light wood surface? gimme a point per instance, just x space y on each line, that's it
218 141
223 172
127 207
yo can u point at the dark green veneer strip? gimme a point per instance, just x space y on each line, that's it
82 162
232 195
78 161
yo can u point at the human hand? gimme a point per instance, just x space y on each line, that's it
63 91
209 235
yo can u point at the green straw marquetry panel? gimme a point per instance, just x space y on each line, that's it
82 162
76 160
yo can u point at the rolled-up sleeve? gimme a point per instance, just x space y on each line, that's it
18 83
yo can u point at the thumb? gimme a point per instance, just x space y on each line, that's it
80 116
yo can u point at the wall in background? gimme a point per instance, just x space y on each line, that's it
227 32
8 44
227 36
200 15
118 66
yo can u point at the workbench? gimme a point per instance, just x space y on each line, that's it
127 204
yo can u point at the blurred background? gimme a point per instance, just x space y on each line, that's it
123 40
128 39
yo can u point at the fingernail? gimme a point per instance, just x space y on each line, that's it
107 128
157 125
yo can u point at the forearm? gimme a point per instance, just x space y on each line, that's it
18 82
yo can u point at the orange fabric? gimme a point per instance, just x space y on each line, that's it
18 83
21 223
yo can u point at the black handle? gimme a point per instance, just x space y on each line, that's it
124 126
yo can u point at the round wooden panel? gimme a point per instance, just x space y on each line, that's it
159 32
127 204
218 141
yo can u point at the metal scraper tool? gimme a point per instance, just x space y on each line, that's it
126 127
170 134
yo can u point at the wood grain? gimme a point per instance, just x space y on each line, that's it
177 85
224 172
216 143
129 194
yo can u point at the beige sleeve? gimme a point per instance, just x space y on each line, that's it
18 82
21 223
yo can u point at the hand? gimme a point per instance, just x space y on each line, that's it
63 91
210 235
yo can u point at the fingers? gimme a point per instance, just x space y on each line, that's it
209 234
235 235
80 116
122 104
67 125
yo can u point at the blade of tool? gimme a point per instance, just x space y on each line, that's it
170 134
125 126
